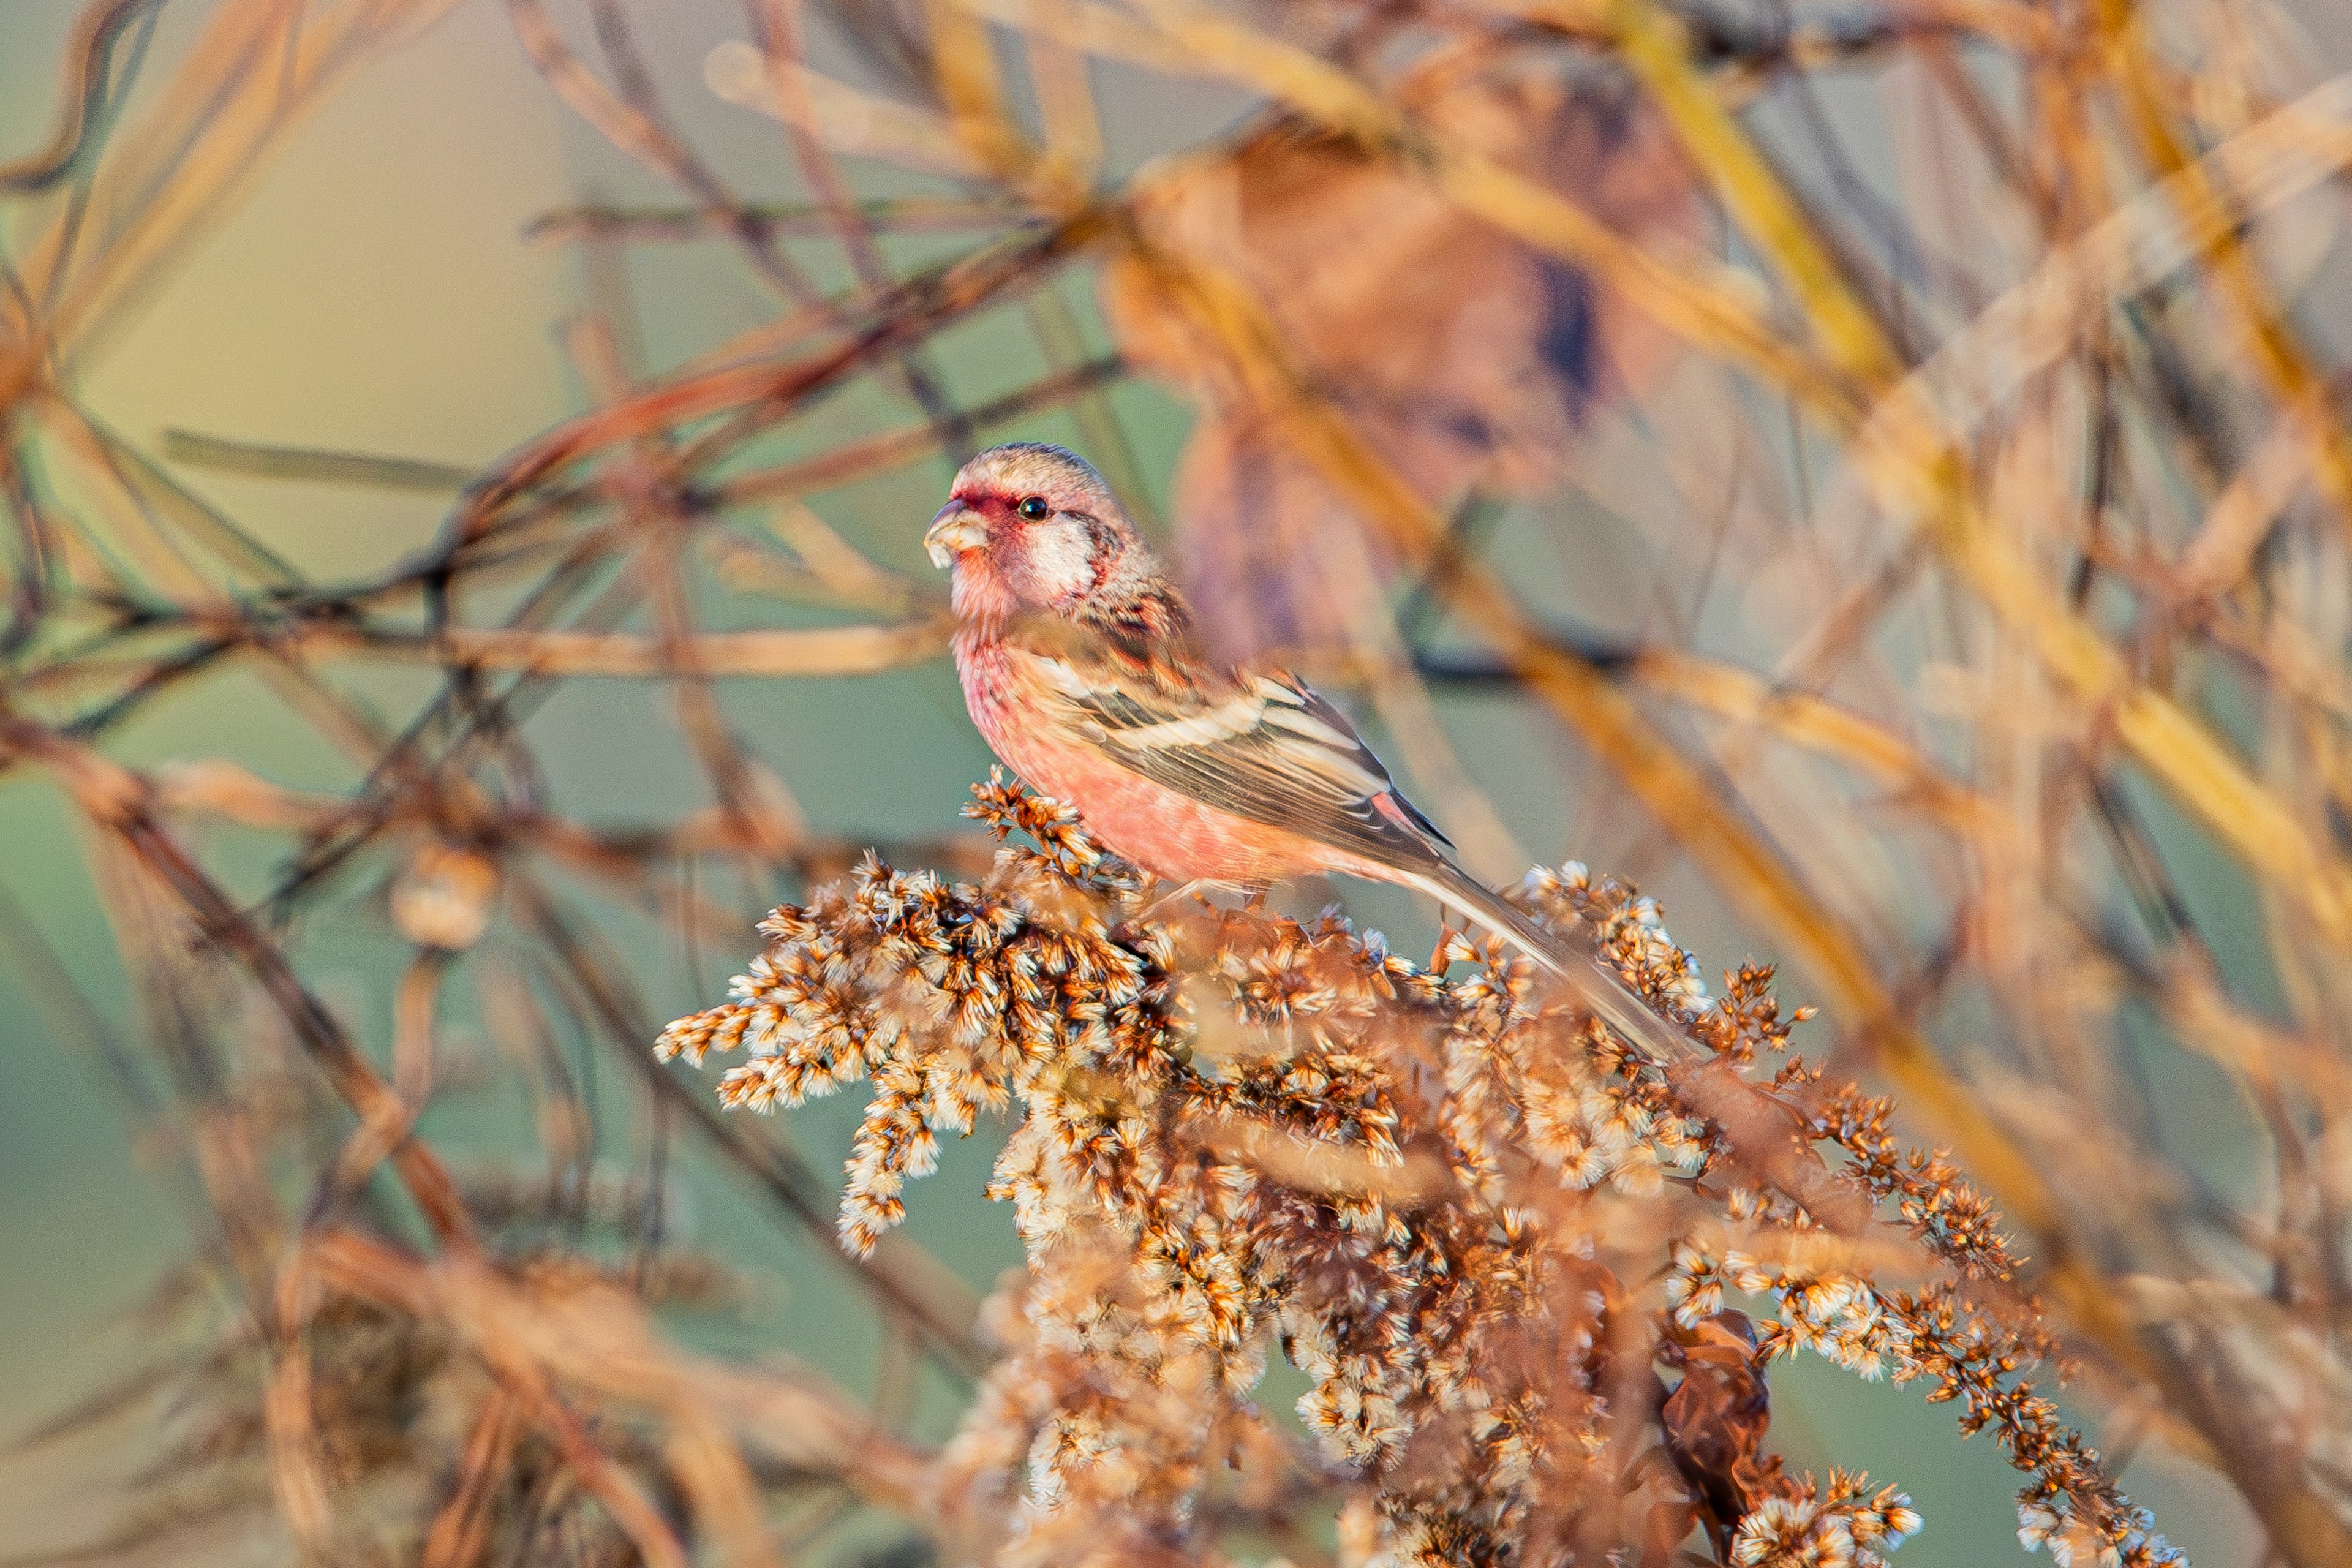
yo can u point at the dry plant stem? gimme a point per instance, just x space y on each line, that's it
2172 746
387 1125
1072 122
911 310
857 459
197 140
2169 744
158 554
603 1342
1062 339
776 25
295 1471
2304 399
845 650
637 128
117 802
647 482
911 214
1801 719
724 1493
461 1529
198 451
97 30
620 856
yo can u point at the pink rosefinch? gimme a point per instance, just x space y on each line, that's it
1080 666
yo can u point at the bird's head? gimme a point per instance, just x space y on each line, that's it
1033 527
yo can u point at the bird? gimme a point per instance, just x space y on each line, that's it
1082 669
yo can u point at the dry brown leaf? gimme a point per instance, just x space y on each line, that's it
1466 358
1716 1421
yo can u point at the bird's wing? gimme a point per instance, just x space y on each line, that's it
1264 747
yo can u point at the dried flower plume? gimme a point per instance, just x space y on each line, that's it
1487 1231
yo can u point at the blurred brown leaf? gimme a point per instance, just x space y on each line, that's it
1716 1421
1466 358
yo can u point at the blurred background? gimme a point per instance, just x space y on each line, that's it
1875 474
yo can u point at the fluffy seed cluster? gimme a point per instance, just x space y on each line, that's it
1488 1232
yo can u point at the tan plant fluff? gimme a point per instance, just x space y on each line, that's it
1487 1231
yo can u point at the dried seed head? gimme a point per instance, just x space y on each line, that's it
1210 1103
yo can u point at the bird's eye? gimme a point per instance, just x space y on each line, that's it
1033 508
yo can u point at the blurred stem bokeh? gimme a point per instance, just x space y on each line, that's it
1878 475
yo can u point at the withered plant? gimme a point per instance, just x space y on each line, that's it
1877 469
1478 1220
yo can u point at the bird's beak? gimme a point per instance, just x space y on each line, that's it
957 528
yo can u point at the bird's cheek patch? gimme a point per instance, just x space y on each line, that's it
1058 563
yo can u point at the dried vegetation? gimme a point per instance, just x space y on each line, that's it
1949 382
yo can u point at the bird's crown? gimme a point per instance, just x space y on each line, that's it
1021 469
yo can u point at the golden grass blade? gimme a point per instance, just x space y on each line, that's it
2306 402
1911 469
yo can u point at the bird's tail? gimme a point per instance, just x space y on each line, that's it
1596 984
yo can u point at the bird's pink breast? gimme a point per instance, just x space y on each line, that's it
1161 830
